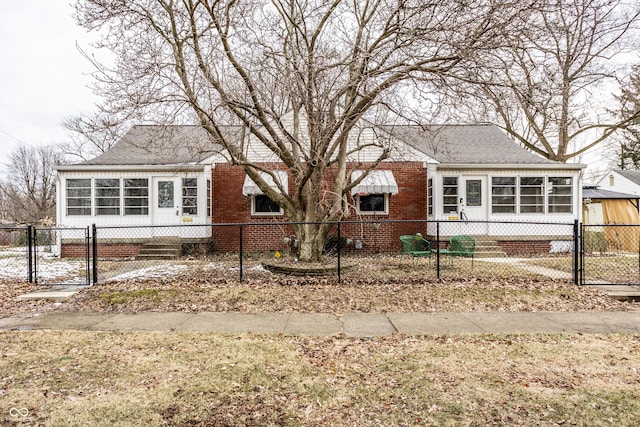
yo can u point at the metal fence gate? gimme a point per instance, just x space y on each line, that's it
47 264
610 254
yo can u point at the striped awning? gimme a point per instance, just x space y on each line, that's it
250 188
376 182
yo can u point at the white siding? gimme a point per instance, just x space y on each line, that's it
136 220
620 184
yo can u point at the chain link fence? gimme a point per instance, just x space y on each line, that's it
353 249
608 254
14 257
611 254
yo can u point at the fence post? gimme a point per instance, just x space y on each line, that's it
94 252
29 232
241 252
339 246
438 250
576 251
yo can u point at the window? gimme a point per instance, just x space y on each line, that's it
503 194
208 197
531 195
165 194
474 192
189 196
136 196
430 196
372 203
78 197
107 196
450 194
262 205
560 195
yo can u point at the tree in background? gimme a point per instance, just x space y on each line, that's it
628 152
322 65
546 85
91 135
29 188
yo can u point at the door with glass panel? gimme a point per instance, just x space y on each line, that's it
166 201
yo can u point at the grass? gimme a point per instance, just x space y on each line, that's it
122 379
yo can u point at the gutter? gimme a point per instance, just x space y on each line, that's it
118 168
518 166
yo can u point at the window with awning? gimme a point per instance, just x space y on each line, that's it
250 188
372 193
376 182
261 204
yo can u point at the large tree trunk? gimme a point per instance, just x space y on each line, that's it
311 239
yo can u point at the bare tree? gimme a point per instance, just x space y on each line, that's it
29 186
91 135
297 75
628 149
545 86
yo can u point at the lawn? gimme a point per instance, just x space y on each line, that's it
80 378
123 379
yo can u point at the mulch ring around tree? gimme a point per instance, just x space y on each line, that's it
305 269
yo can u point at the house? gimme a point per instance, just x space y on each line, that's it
163 176
621 180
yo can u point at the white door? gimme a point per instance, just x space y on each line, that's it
473 203
166 200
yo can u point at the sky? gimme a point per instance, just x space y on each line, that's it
43 76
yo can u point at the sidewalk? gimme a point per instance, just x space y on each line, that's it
351 324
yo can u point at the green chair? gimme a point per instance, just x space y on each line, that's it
416 246
461 246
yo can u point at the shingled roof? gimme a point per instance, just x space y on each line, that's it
447 144
466 144
631 175
160 145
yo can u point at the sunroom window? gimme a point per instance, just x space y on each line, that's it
107 196
78 197
560 194
189 196
136 196
532 194
503 194
450 194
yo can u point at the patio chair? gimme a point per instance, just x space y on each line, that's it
416 246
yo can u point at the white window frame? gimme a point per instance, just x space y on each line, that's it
189 197
143 209
454 196
253 207
96 196
89 197
383 212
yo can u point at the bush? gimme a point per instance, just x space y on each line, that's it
332 242
595 241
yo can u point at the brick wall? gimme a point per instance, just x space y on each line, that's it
105 250
230 206
525 247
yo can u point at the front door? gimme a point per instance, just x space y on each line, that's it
166 201
474 201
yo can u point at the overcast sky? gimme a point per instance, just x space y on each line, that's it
43 76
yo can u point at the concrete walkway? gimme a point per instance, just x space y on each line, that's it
351 324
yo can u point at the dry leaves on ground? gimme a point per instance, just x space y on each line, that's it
324 295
